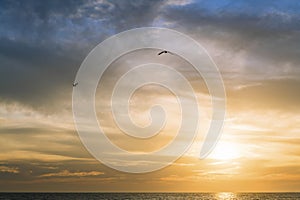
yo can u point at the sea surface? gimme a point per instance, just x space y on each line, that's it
160 196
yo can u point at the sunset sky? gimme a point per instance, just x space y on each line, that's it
255 44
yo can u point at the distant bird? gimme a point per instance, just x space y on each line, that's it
162 52
75 84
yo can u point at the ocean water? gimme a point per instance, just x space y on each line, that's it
152 196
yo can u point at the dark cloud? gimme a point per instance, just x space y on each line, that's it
267 34
267 15
43 43
133 14
59 20
35 76
34 20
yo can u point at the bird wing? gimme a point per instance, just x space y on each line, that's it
164 52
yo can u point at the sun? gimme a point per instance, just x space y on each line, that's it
225 151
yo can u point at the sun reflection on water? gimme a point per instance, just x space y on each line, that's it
226 196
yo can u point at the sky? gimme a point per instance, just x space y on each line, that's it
255 44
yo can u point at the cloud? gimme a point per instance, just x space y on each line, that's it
258 42
35 76
250 44
66 173
39 59
278 94
6 169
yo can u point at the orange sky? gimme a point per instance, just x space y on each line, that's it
258 150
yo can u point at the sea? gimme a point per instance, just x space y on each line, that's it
152 196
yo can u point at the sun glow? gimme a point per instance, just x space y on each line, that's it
225 195
225 151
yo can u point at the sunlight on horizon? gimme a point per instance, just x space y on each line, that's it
225 195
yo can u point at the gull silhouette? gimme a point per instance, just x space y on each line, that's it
162 52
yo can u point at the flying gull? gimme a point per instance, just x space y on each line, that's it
162 52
